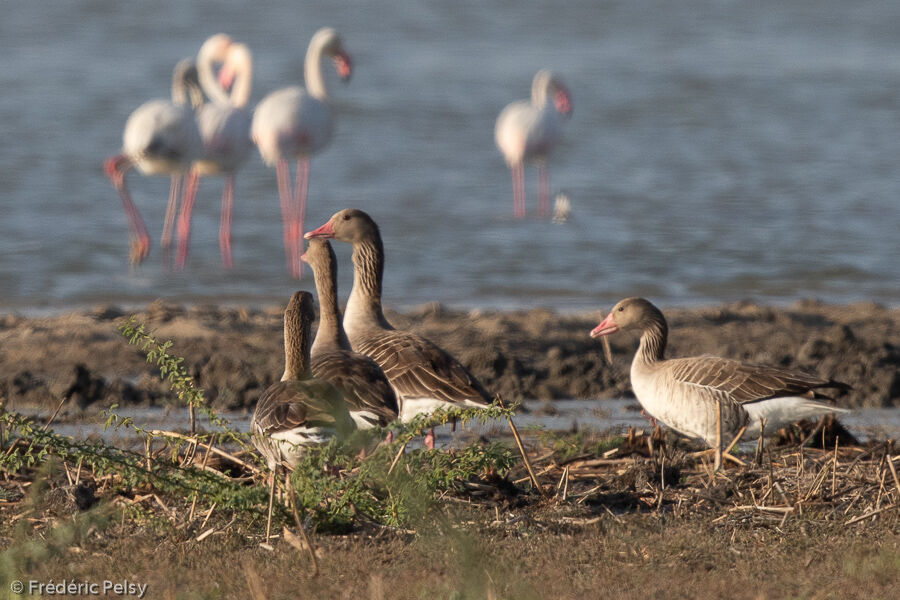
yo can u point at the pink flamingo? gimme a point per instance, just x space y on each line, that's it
160 138
528 131
224 125
295 122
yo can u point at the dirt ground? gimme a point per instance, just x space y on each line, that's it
647 557
235 353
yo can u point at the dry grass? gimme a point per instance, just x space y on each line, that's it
638 520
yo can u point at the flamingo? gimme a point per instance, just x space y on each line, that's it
294 122
224 125
528 131
160 138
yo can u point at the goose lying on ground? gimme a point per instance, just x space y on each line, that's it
682 392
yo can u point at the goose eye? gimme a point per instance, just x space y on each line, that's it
346 217
621 308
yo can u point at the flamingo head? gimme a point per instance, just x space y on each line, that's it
327 41
114 167
343 64
548 87
562 99
238 60
215 50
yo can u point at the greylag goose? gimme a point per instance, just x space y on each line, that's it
224 125
299 410
368 394
683 392
295 123
527 130
423 376
160 138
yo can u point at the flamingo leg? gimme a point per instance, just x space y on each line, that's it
301 186
115 169
518 182
543 191
283 174
225 223
184 219
165 241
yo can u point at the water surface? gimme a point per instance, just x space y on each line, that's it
718 150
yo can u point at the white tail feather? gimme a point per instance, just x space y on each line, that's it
781 412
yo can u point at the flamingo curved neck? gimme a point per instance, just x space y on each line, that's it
540 91
211 87
185 84
312 72
243 85
364 304
330 335
242 65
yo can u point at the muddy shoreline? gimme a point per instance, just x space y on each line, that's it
235 353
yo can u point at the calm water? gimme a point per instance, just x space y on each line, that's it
718 150
606 416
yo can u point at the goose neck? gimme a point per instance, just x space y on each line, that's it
296 349
653 342
330 334
364 304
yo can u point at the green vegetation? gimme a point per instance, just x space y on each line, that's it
334 487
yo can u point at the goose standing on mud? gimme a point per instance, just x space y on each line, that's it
160 138
295 123
683 392
526 131
366 390
299 410
224 125
423 375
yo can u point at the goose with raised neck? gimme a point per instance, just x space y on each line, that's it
683 392
300 409
423 375
366 389
224 125
294 123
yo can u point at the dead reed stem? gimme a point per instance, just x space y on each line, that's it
210 448
515 432
717 463
310 549
397 458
